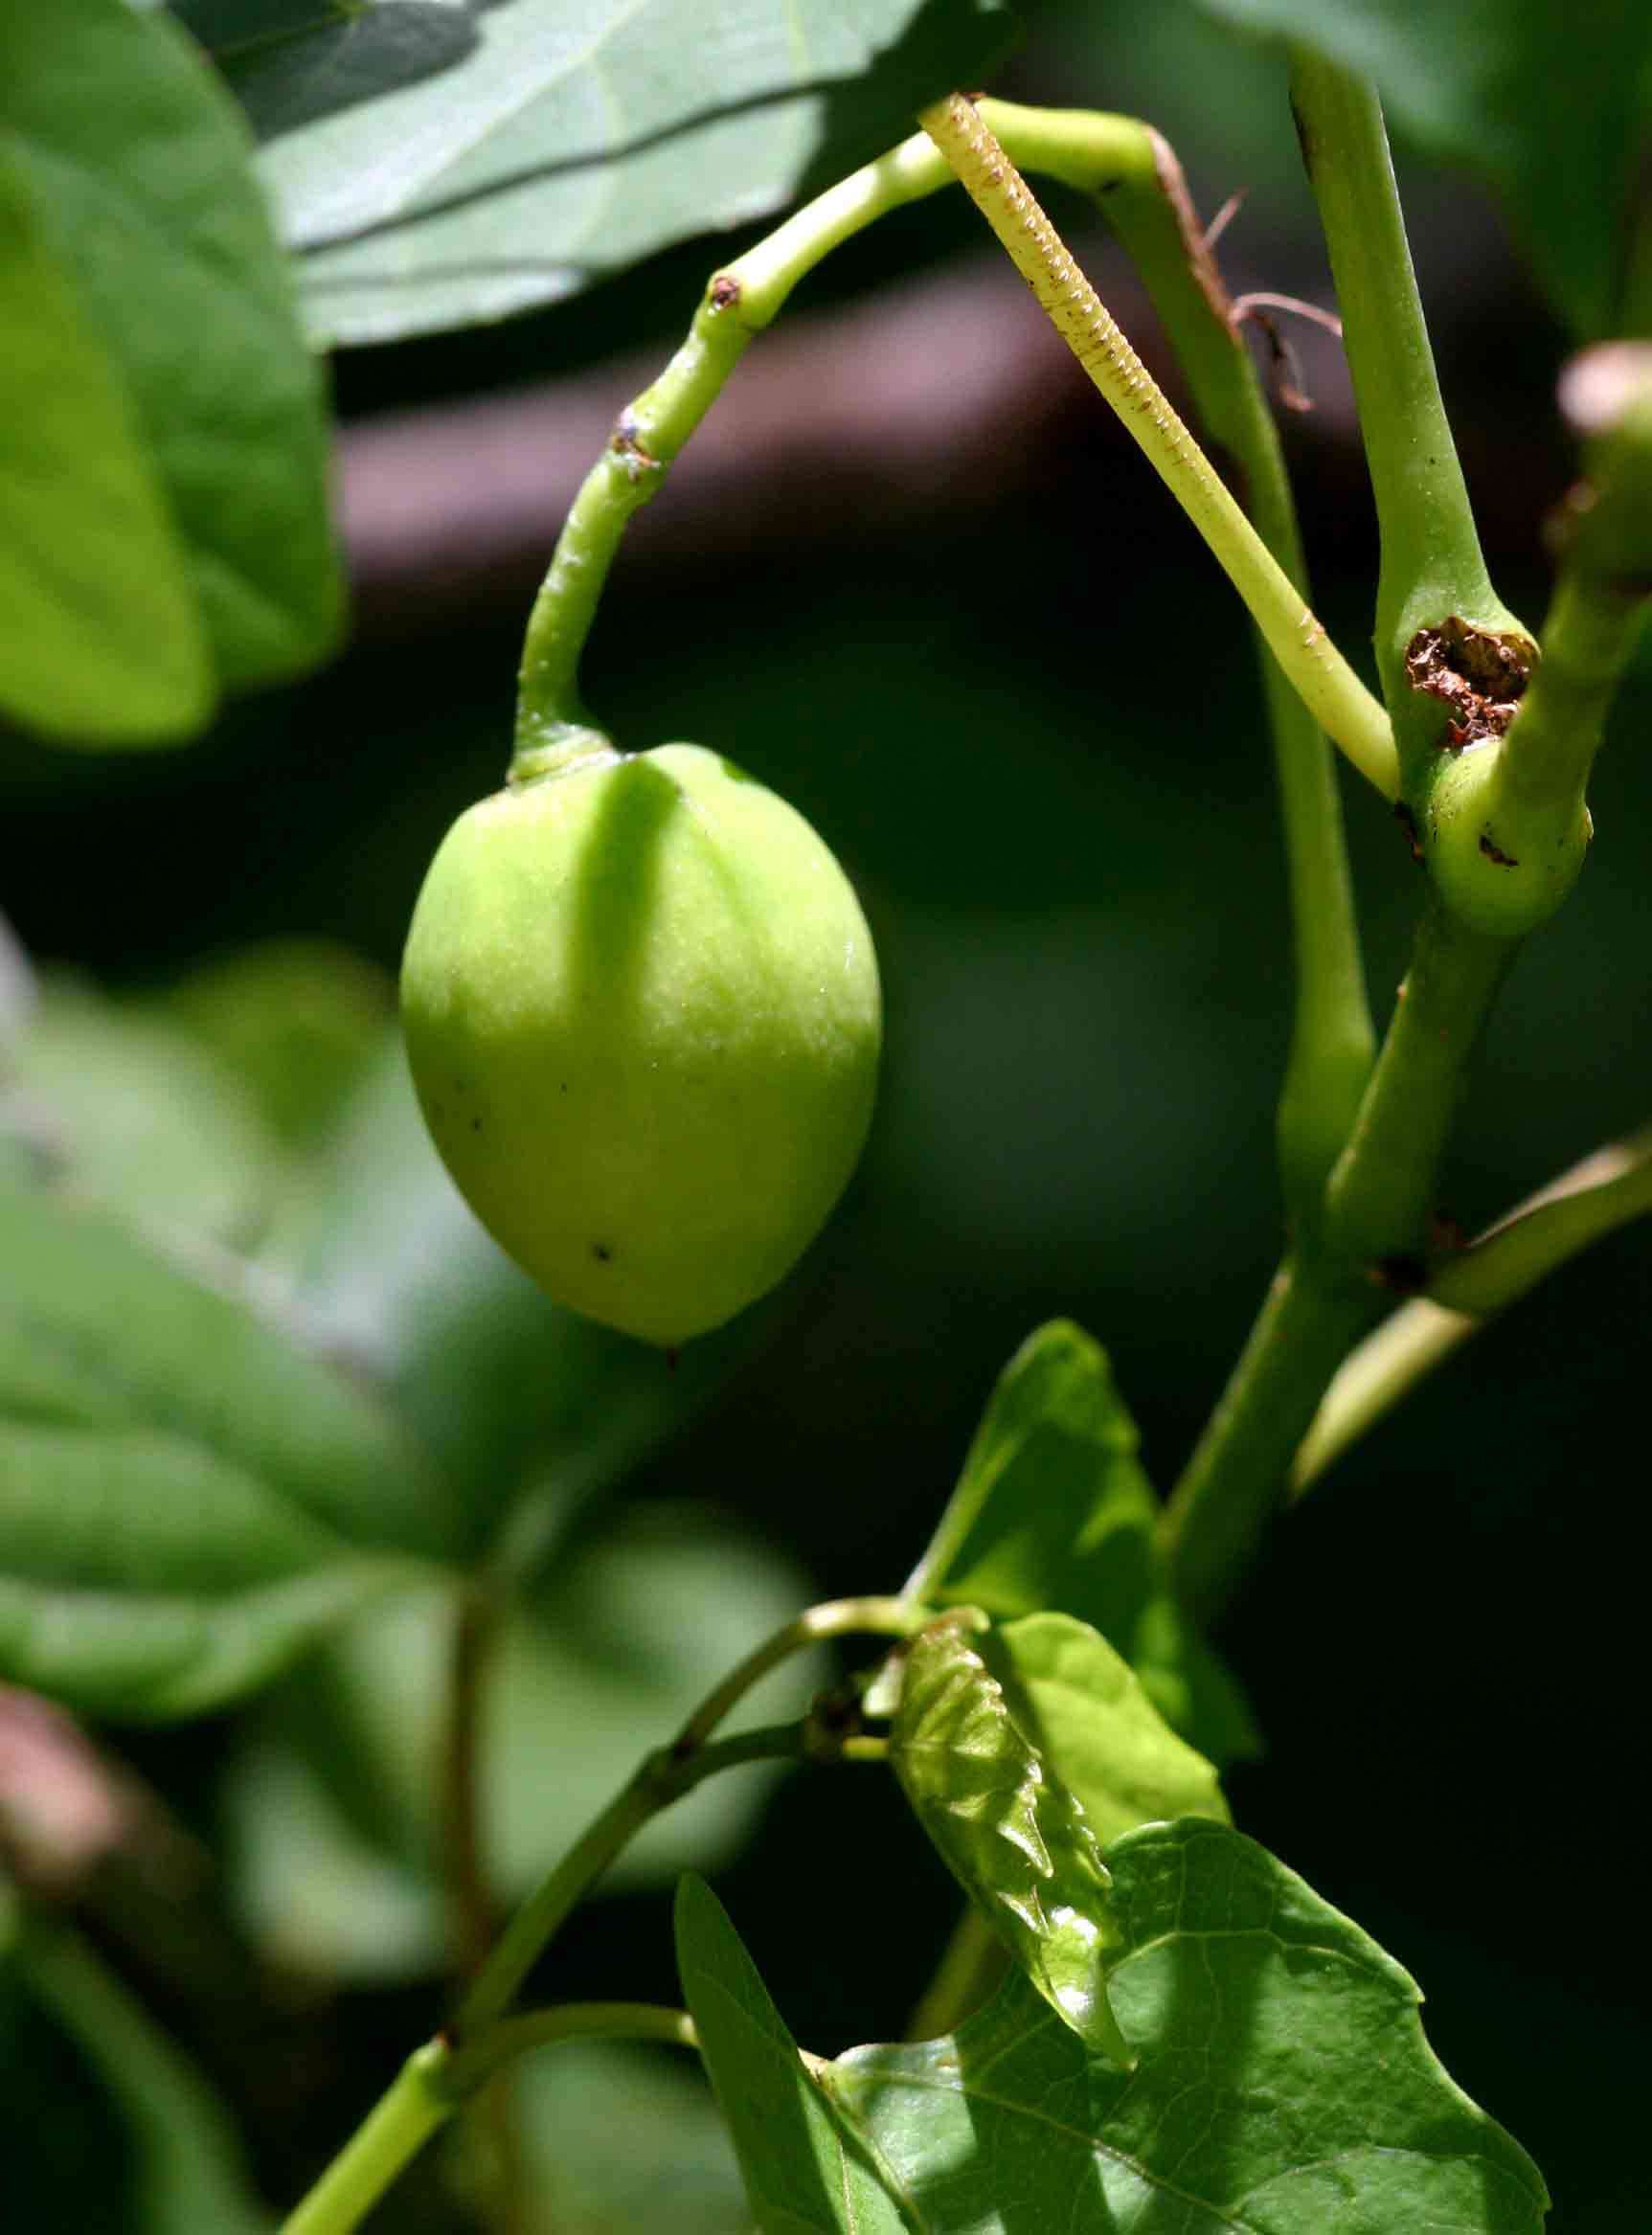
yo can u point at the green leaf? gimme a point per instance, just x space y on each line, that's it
145 1579
298 1022
116 1101
513 1395
805 2166
188 1499
186 2174
101 638
435 167
620 2140
1009 1831
138 168
1101 1736
1052 1511
329 1798
1549 103
1282 2084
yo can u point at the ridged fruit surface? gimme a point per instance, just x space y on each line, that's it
642 1016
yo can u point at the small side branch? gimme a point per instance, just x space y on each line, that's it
1318 671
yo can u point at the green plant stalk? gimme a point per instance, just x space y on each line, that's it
1431 565
552 724
388 2139
1318 671
1374 1236
662 1778
1227 1493
1604 1191
1333 1041
472 2067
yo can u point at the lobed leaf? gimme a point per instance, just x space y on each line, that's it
1280 2085
435 166
1282 2082
1010 1834
1549 103
172 312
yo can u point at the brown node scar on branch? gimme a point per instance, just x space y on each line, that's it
1478 675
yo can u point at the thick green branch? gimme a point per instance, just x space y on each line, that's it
1432 567
1375 1235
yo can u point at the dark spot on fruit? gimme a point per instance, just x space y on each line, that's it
602 1253
672 1354
476 1125
1493 852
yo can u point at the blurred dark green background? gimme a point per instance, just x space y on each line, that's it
1022 708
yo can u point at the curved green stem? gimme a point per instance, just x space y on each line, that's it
1318 671
844 1617
663 1779
1604 1191
472 2067
1333 1041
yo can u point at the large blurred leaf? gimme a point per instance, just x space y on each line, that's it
620 2140
504 1388
330 1800
186 2174
138 171
1281 2084
805 2167
1011 1834
1098 1733
1548 102
145 1577
1053 1512
188 1497
101 636
435 166
120 1105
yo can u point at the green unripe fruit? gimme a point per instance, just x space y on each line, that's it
642 1016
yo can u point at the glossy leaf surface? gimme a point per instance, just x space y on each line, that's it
436 166
1549 103
1084 1708
1009 1831
1259 2018
1052 1511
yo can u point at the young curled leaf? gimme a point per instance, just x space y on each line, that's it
1099 1732
1011 1834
